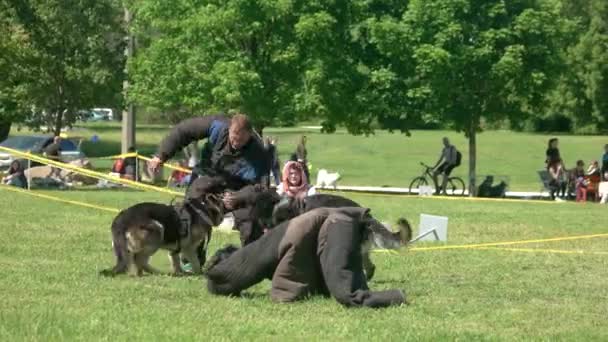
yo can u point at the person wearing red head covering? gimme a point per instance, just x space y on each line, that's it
294 182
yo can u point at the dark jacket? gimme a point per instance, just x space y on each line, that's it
53 151
318 252
249 164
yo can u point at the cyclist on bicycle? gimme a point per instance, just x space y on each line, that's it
449 159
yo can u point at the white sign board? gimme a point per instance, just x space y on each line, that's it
432 228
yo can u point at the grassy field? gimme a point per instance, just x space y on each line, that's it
386 159
51 252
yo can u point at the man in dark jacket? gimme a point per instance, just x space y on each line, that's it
318 252
233 158
53 152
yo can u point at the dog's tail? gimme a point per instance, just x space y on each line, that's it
120 247
405 231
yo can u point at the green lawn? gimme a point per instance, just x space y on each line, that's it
50 254
386 159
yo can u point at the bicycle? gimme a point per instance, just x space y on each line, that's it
454 185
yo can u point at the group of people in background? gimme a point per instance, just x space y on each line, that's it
582 181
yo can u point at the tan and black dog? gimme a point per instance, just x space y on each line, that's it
141 230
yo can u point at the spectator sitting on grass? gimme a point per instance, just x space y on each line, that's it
580 181
16 176
294 181
593 169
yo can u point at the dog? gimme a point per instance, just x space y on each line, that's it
327 179
270 210
141 230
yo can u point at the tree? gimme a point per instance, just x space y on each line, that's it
582 91
70 57
475 59
206 56
279 61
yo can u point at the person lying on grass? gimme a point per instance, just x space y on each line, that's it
318 252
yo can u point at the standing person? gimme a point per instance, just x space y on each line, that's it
302 154
604 169
233 158
271 147
448 161
53 152
552 154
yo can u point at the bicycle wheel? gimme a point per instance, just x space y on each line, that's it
455 186
416 183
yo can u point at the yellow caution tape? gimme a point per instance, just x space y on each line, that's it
118 156
78 203
506 243
169 166
35 194
541 250
90 173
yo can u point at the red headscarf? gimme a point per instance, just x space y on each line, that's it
294 190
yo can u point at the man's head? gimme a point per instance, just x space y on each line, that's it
240 131
446 141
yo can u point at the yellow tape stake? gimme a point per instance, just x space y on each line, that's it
90 173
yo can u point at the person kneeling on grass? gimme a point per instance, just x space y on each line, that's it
318 252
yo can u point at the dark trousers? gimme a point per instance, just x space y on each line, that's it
202 184
342 268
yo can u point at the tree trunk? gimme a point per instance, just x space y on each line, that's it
5 129
472 135
58 122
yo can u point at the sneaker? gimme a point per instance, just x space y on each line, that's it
187 267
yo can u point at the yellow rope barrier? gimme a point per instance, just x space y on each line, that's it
90 173
57 199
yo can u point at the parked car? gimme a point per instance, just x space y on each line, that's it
70 149
92 115
108 113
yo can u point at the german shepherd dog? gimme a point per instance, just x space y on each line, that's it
141 230
270 210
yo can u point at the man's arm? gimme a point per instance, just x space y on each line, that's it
183 134
439 161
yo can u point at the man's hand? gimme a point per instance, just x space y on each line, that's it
155 164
